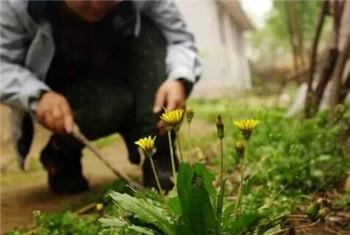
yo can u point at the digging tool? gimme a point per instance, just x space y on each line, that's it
78 135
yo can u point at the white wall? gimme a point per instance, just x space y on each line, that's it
225 65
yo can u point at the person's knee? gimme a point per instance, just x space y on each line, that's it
108 116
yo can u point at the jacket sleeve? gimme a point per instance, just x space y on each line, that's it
17 84
182 59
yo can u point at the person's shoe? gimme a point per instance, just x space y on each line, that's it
164 175
68 186
134 155
64 170
61 182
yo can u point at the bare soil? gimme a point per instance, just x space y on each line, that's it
24 192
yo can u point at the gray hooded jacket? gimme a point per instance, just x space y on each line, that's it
27 48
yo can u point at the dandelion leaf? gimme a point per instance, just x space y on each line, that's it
145 210
201 216
194 184
244 224
122 227
207 177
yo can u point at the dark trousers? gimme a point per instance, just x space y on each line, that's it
122 103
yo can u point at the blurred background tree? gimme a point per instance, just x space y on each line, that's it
288 21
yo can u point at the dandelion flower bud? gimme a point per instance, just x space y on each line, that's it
189 115
240 147
324 202
36 213
322 213
220 127
99 206
313 210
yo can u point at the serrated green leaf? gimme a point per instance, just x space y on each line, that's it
124 226
112 222
145 211
208 178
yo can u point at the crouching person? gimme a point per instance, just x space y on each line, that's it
108 66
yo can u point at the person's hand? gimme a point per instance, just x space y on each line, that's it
54 112
170 95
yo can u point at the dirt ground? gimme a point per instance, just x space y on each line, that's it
24 192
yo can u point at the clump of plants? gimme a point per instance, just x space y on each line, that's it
302 156
195 206
266 168
62 223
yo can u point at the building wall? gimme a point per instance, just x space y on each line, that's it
221 47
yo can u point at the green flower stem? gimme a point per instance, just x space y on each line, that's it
242 186
222 185
156 176
189 139
222 161
172 157
179 146
238 206
189 130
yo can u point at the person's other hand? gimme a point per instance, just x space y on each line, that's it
170 95
54 112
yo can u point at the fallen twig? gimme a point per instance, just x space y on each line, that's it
297 217
86 208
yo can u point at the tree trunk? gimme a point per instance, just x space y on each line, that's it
328 69
290 27
313 58
337 83
344 89
325 77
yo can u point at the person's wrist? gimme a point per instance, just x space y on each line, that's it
188 85
35 99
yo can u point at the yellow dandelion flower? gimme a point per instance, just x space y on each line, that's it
147 145
99 206
172 119
246 126
36 213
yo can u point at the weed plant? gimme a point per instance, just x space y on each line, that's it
286 160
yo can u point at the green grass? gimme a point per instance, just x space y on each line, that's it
289 159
